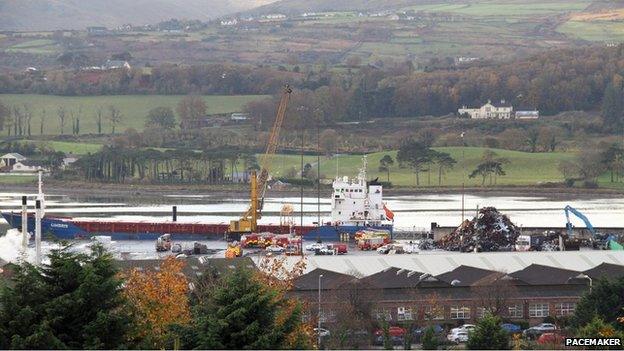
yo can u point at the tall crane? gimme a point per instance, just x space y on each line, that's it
248 222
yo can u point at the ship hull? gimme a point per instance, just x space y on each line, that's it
69 229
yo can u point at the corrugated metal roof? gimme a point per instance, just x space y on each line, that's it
436 263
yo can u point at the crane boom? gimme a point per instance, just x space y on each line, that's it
249 221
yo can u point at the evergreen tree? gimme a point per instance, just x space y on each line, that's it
241 312
606 301
429 340
72 302
612 108
488 335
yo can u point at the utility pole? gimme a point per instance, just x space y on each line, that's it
463 177
318 173
301 198
318 328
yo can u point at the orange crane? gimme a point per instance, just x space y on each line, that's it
248 223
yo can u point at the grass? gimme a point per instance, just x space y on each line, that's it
506 8
594 30
37 46
133 108
70 147
17 179
524 168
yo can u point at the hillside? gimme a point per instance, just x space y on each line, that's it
36 15
300 6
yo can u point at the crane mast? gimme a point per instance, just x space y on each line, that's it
258 183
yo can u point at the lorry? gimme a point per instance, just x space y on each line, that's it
372 243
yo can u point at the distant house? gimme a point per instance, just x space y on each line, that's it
229 22
527 114
29 166
239 117
10 159
97 30
116 64
67 161
501 110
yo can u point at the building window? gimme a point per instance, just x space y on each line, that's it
481 311
434 313
460 312
539 310
383 314
404 314
515 311
565 309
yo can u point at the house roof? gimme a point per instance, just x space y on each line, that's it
33 163
330 280
606 270
537 274
14 155
501 103
394 278
466 275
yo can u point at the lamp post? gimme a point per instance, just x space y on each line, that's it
318 328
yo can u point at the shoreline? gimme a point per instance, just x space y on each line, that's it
152 191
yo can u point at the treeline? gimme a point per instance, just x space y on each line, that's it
117 163
553 81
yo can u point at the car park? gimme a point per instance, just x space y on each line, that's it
550 339
314 246
419 332
396 334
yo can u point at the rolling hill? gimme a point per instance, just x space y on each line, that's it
41 15
300 6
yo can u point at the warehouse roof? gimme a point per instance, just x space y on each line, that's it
537 274
436 263
606 270
330 280
394 278
466 275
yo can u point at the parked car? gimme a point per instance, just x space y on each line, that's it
550 339
458 336
538 330
465 327
275 248
324 333
511 328
397 335
314 247
419 332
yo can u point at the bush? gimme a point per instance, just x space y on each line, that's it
429 339
488 335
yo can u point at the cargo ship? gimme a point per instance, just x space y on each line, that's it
356 204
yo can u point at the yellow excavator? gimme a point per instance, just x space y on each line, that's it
248 223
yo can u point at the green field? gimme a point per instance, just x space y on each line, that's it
37 46
594 30
69 147
17 179
133 108
513 8
524 168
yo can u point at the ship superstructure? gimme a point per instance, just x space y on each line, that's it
356 202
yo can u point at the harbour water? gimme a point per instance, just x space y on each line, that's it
415 212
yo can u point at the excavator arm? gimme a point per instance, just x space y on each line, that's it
581 216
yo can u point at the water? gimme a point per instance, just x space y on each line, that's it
411 212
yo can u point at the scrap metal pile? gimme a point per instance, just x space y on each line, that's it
490 230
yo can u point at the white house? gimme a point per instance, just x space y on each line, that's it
229 22
527 114
10 159
28 166
501 110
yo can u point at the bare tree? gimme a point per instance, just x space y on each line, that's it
43 116
99 113
494 294
114 117
28 114
62 114
5 114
